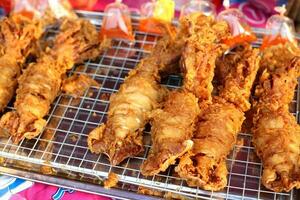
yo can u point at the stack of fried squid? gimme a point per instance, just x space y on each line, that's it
130 108
41 81
195 127
19 38
173 125
220 122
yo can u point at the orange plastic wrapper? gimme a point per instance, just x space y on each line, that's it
281 29
39 8
117 22
240 30
83 4
156 16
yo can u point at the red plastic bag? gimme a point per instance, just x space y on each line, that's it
6 4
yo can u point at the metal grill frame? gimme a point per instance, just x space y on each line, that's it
65 151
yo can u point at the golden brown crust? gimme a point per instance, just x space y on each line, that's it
76 85
121 136
18 36
277 56
171 132
219 123
175 121
39 85
242 67
275 131
200 54
216 134
111 181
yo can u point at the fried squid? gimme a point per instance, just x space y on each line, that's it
171 132
41 82
19 36
173 124
219 123
275 130
202 49
129 111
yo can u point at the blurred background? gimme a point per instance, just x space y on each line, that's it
256 11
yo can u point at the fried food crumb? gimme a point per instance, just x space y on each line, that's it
2 160
104 96
171 195
148 191
158 193
73 137
47 170
90 94
76 85
111 180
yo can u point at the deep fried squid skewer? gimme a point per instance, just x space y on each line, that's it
219 124
277 56
173 125
171 132
202 49
121 136
275 131
41 82
19 36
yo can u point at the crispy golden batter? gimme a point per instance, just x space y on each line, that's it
277 56
236 87
171 132
18 36
216 134
111 181
76 85
200 54
150 191
275 131
121 136
219 123
175 121
39 85
128 113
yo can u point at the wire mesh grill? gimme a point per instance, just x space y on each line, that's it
63 147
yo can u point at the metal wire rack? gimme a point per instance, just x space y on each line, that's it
61 150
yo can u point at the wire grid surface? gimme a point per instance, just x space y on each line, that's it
62 145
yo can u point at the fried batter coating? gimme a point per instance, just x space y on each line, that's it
128 113
129 110
217 129
41 81
275 131
19 36
277 56
76 85
171 132
238 82
111 181
175 121
200 54
219 124
121 136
